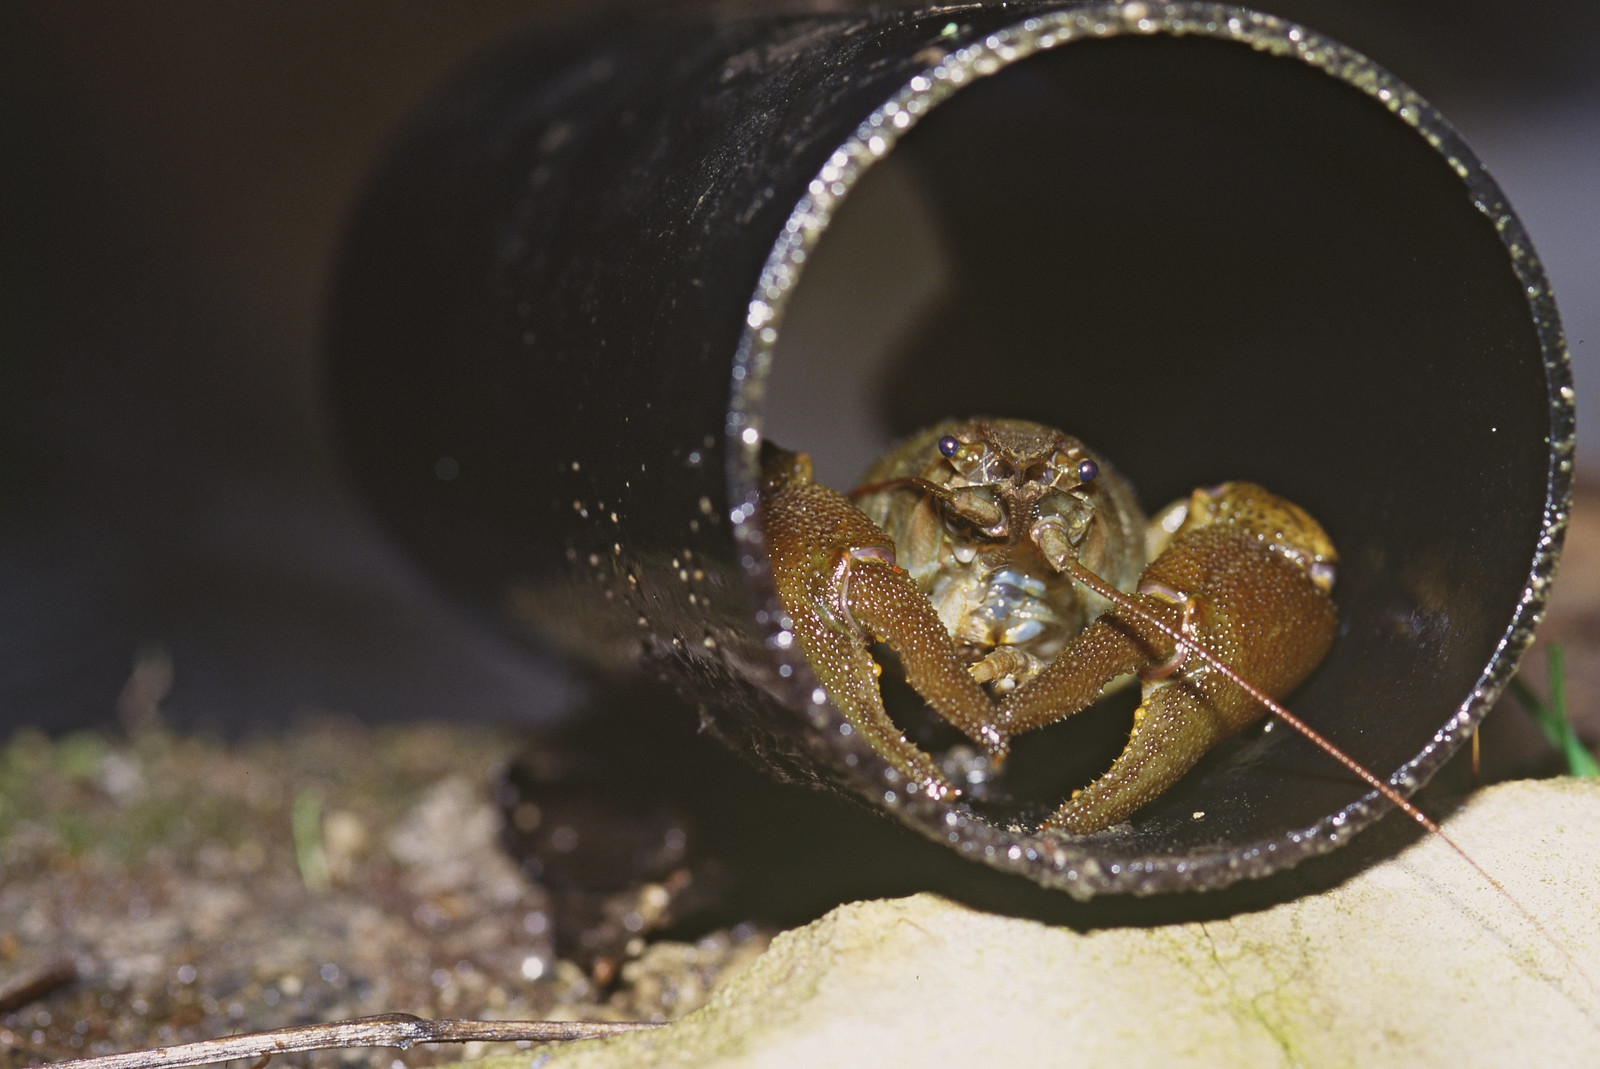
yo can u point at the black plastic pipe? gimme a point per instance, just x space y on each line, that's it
1212 244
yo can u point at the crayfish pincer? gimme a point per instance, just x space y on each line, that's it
997 524
836 578
1246 576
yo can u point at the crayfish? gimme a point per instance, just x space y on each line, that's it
1010 570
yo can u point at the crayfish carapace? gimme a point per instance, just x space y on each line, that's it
1011 571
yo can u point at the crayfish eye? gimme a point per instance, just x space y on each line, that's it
949 445
1087 470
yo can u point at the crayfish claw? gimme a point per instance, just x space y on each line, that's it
886 602
835 577
1171 732
1241 579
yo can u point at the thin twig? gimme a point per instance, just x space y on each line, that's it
400 1030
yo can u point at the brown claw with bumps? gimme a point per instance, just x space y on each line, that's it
1246 575
836 578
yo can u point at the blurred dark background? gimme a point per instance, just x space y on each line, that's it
173 179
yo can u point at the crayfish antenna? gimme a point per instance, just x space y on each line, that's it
877 488
1125 603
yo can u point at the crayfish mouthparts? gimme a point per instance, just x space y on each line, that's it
994 632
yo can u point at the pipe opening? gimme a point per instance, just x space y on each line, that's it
1208 262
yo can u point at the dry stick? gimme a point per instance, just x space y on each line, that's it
1123 601
385 1030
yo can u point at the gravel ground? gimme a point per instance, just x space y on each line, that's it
166 889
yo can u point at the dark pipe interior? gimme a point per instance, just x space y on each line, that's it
1209 263
1207 260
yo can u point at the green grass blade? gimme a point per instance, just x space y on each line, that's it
305 820
1552 718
